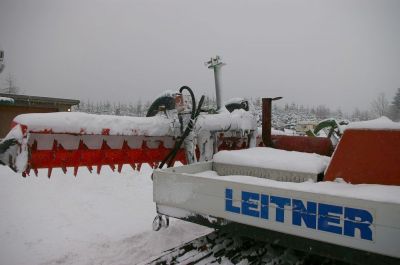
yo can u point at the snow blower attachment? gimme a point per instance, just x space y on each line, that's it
172 131
62 140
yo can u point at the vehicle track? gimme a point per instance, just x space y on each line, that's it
224 248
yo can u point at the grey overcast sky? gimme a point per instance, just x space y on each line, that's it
339 53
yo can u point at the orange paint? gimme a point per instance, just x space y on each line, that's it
318 145
367 156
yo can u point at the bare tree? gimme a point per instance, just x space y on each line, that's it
380 105
10 88
1 61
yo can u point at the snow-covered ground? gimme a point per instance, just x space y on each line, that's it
91 219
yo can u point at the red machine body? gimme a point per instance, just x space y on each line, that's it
359 160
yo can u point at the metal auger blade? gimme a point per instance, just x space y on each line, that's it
65 150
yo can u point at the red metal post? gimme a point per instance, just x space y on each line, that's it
266 120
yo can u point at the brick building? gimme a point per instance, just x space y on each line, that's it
29 104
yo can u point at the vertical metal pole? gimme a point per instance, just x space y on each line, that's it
216 64
217 86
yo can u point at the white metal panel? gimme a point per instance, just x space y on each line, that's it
206 196
268 173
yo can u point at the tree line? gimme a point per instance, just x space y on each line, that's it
380 106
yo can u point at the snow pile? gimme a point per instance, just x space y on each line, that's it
6 100
83 123
265 157
374 192
90 219
237 120
377 124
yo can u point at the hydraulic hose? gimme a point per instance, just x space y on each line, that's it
169 159
192 97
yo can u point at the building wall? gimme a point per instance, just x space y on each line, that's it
8 113
304 127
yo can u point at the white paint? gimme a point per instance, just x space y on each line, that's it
373 192
209 199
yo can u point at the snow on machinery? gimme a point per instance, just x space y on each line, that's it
174 130
62 140
299 200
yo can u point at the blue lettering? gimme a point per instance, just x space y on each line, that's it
229 202
358 219
264 206
309 214
325 218
249 203
280 209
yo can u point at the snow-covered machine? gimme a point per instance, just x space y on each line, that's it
346 207
65 140
277 188
174 129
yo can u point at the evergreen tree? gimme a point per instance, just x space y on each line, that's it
395 107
